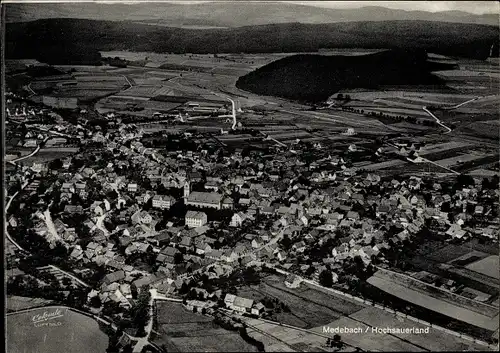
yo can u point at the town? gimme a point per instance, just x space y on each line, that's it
100 228
175 196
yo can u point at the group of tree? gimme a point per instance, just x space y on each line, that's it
139 312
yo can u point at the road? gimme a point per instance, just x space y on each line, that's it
144 341
126 79
425 160
448 130
273 139
233 109
37 149
99 224
24 250
5 225
50 226
274 240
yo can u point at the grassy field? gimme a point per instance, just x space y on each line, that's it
185 331
15 303
425 300
435 340
308 306
68 332
487 266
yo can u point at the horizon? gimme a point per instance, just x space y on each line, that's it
471 7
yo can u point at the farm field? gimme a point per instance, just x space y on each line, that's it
285 338
368 340
190 332
47 156
464 158
488 266
408 95
384 165
308 306
81 334
441 147
434 304
434 341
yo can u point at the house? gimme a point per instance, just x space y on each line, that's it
352 215
228 203
240 304
141 217
114 277
258 309
167 255
195 219
293 281
132 187
237 219
163 202
456 231
299 246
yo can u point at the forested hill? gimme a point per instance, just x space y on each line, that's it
64 40
313 78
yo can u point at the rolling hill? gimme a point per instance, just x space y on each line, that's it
313 78
59 41
231 14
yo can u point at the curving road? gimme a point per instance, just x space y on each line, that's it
233 109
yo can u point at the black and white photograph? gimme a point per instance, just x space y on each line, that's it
250 176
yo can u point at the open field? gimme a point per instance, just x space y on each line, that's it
420 298
488 266
308 306
460 159
368 340
15 303
435 340
80 333
47 156
189 332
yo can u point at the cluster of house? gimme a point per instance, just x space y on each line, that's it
269 186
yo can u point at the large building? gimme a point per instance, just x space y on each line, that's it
195 219
204 199
163 201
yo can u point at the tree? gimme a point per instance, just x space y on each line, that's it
337 341
326 279
95 302
178 258
55 164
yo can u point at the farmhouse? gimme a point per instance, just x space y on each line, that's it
240 304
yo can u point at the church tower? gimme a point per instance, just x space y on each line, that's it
187 189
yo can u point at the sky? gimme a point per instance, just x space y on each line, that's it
476 7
